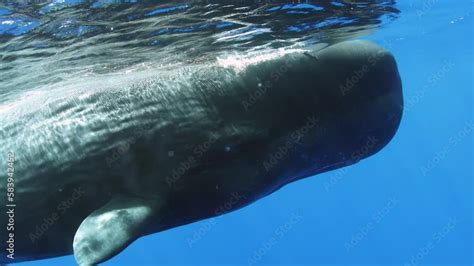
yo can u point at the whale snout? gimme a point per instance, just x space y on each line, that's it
359 83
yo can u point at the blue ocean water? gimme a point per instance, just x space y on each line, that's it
410 204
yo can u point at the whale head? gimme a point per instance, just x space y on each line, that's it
366 97
353 92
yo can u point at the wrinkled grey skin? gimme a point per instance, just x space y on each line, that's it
197 141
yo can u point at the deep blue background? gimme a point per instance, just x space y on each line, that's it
392 209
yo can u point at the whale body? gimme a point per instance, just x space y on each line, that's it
105 162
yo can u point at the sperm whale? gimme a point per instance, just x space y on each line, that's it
98 164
